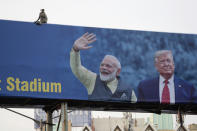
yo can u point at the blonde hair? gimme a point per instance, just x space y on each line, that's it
160 52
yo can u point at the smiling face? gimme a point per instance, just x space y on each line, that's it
165 64
109 69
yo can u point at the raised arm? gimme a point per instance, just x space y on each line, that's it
86 77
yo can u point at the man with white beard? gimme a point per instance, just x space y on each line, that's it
106 86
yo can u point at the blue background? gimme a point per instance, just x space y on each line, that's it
30 51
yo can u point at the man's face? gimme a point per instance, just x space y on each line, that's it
108 69
165 64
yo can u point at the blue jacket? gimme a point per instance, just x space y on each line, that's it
148 91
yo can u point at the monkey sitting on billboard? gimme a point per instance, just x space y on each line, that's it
42 18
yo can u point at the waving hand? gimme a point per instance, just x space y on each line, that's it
83 42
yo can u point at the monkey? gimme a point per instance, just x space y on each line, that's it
42 18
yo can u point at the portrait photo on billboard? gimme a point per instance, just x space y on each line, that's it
136 66
105 86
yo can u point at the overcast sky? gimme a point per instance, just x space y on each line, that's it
150 15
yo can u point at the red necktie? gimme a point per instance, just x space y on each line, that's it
165 94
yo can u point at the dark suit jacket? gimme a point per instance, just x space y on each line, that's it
148 91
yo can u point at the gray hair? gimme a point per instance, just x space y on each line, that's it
160 52
117 62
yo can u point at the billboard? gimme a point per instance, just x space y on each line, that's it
97 65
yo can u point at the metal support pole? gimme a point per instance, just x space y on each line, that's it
49 120
180 120
41 125
64 114
59 122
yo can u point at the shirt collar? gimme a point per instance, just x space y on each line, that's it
112 82
162 79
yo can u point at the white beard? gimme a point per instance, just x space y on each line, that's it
107 78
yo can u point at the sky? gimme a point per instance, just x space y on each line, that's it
178 16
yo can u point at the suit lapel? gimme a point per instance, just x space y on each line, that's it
177 89
156 90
